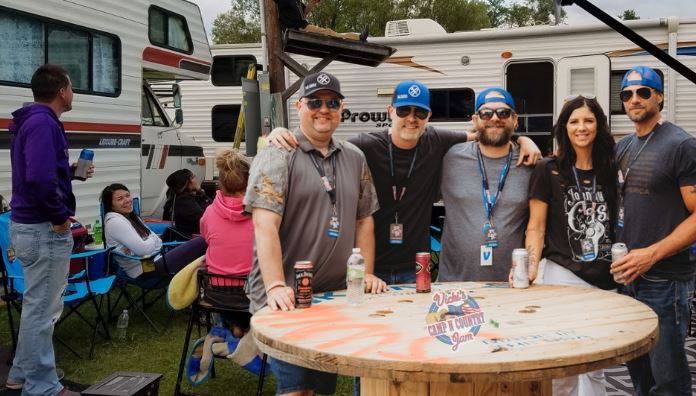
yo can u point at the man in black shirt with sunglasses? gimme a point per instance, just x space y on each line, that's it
657 221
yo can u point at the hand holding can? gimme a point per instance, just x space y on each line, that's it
83 164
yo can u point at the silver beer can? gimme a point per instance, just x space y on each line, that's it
520 269
618 251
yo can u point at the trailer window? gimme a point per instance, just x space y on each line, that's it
452 104
91 58
224 122
151 114
228 70
169 30
616 77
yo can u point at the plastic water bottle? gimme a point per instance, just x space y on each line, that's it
122 326
97 229
355 277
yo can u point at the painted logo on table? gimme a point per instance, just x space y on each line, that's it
454 317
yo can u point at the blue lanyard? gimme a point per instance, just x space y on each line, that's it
488 201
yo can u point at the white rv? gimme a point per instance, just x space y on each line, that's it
113 50
539 65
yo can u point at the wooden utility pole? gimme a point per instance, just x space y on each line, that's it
276 70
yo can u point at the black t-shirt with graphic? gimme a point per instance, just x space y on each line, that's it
578 236
423 189
653 204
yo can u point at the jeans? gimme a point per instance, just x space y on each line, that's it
292 378
664 370
395 277
45 257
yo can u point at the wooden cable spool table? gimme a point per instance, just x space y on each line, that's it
462 338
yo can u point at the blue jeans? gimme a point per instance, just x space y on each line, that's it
394 277
292 378
664 370
45 257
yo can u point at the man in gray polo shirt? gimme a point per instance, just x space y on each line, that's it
314 203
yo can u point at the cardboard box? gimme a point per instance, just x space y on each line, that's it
125 383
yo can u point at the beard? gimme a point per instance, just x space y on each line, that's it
495 139
642 116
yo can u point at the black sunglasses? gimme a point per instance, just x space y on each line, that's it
331 104
502 112
419 112
644 93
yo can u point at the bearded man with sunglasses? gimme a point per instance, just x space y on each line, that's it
656 220
314 203
485 196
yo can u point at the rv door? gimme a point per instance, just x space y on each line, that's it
587 75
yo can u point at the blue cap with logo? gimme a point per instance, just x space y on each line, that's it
411 93
504 97
648 78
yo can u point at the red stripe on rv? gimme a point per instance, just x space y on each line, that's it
165 153
73 126
156 55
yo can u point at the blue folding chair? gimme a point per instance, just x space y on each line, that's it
80 289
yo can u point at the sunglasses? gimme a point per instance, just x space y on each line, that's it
331 104
405 111
644 93
582 95
502 112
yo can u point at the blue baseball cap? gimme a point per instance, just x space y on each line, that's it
648 78
481 99
411 93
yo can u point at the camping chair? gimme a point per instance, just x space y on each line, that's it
154 286
81 289
223 287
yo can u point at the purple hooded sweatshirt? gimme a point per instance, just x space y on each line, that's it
41 173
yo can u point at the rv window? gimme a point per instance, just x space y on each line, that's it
228 70
224 122
92 59
151 113
452 104
169 30
614 102
22 49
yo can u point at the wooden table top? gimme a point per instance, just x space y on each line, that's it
461 332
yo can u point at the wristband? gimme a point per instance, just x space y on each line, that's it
275 284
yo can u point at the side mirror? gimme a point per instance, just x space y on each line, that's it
176 95
179 116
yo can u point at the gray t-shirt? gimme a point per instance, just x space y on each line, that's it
289 184
462 238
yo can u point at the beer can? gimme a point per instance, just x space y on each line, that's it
303 284
423 272
618 251
83 164
520 269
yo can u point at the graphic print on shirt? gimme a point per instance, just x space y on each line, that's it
588 224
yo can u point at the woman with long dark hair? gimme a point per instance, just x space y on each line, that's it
572 197
186 202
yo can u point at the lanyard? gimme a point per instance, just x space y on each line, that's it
391 171
331 190
622 183
488 201
594 188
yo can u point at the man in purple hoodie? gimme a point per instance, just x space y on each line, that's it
42 203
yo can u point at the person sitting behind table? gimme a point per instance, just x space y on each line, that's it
227 231
126 232
186 201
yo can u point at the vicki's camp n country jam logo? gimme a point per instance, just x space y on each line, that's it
454 317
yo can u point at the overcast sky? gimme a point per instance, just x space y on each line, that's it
644 8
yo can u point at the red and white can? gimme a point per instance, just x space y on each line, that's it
423 272
304 270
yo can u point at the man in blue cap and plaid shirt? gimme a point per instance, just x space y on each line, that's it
656 220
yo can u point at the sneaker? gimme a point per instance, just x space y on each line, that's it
18 386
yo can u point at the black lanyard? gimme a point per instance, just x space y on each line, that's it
488 201
582 195
400 196
622 184
331 190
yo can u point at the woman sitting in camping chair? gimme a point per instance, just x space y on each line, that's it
126 232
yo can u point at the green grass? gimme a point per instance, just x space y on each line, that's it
146 351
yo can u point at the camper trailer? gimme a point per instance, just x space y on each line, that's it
113 52
539 65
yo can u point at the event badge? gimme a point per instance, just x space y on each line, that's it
620 217
486 256
489 235
587 248
396 234
334 226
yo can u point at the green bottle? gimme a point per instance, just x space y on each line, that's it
98 240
